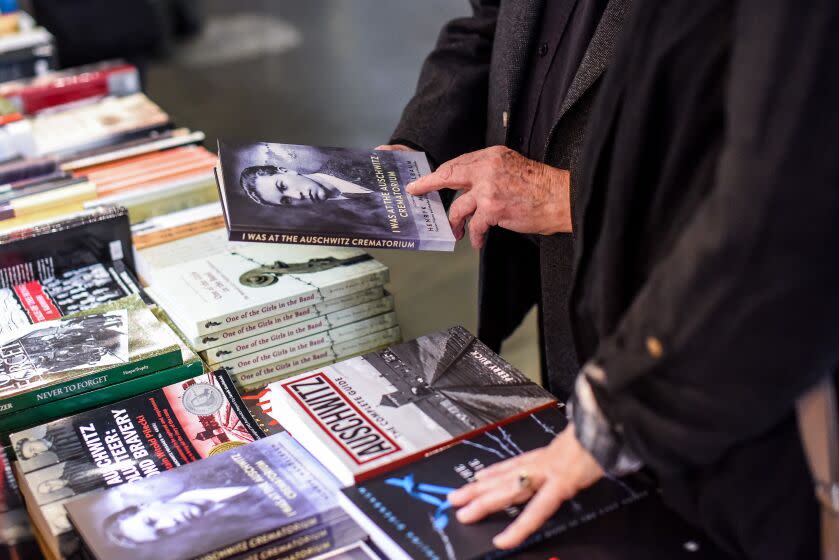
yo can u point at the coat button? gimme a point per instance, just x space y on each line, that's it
543 49
654 347
505 119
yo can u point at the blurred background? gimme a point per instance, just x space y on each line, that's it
321 72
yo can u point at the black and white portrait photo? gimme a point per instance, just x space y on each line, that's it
307 189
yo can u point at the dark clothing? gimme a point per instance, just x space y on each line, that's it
565 30
469 93
705 284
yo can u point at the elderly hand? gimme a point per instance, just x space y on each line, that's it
546 477
394 148
500 187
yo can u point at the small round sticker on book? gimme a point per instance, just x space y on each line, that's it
202 399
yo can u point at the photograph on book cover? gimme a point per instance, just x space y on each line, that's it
63 346
303 191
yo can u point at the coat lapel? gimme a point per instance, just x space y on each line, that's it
597 55
512 42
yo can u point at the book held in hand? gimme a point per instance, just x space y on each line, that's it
287 193
374 412
269 497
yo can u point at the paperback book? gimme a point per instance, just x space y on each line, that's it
286 319
321 357
126 442
53 360
308 344
286 193
252 282
408 516
267 494
370 414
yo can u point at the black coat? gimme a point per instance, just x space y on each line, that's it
464 100
706 283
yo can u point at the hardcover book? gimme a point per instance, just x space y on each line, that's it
286 193
408 516
308 344
251 282
268 493
124 443
46 250
66 293
35 416
54 360
372 413
71 85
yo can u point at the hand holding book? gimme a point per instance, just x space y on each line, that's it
500 187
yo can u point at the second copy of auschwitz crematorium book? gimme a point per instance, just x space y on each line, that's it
286 193
375 412
124 443
269 499
407 513
54 360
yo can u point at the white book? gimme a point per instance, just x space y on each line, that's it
289 333
307 344
251 282
324 356
218 338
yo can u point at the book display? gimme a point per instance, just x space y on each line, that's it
200 359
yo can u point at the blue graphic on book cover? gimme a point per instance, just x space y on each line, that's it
410 505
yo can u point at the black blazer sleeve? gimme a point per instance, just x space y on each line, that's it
745 306
447 115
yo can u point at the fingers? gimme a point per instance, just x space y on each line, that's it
457 173
478 228
436 181
463 207
393 148
543 505
501 494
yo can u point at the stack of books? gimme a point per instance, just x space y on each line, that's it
374 445
137 438
187 379
264 311
71 139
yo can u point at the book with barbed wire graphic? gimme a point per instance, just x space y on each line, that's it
288 193
371 413
407 514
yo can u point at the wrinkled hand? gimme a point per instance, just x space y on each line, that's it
556 473
500 187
